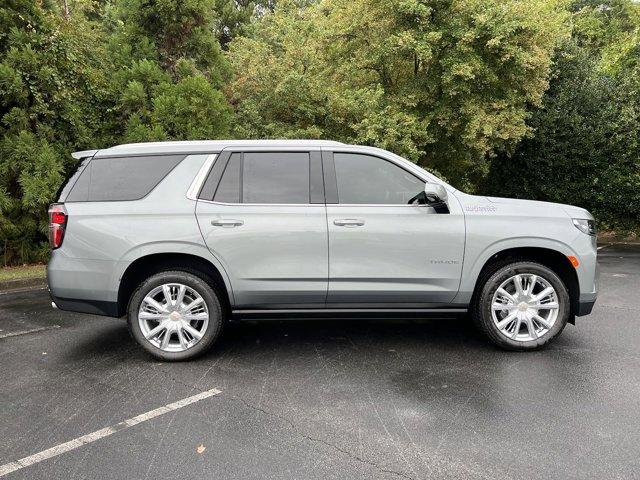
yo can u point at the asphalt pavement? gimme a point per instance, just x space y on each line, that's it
324 399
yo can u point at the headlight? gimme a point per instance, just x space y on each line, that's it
585 226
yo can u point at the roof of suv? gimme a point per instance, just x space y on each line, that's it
197 146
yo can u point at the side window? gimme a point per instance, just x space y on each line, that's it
123 178
364 179
278 177
228 190
76 181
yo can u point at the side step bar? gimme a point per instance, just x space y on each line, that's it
342 313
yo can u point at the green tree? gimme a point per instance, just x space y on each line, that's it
178 29
585 142
90 74
51 84
444 82
171 71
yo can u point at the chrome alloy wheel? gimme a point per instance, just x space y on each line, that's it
173 317
525 307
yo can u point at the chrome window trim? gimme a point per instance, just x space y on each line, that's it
264 149
196 184
377 205
400 162
313 204
264 204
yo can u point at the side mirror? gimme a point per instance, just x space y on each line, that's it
436 197
435 193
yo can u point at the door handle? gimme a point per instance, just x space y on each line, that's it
227 223
348 222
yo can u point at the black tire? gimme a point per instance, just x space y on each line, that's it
491 281
203 287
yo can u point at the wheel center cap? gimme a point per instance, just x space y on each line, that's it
175 316
523 306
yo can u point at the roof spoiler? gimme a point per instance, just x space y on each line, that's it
84 154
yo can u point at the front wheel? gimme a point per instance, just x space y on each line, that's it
175 315
522 306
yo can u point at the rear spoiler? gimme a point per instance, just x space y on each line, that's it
84 154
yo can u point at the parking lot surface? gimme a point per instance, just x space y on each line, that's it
325 399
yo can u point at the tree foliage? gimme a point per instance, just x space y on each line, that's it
170 73
90 77
51 84
585 142
526 98
444 82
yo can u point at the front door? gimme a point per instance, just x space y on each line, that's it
386 249
262 214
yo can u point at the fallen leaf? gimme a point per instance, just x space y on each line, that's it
201 448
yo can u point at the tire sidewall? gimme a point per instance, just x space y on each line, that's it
210 297
494 282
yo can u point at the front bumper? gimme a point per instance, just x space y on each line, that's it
584 308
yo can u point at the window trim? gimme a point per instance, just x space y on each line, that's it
200 179
331 179
225 156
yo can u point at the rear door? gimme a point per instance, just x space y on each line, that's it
262 214
385 248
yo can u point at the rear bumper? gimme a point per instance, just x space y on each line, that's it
81 285
94 307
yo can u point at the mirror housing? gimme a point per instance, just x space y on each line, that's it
435 193
436 197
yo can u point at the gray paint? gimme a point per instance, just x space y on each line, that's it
296 254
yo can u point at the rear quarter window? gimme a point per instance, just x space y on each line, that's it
122 178
72 179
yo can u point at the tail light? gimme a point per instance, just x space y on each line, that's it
57 223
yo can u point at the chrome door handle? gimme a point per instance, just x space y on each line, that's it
227 223
348 222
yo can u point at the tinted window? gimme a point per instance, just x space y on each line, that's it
78 184
363 179
275 178
229 188
108 179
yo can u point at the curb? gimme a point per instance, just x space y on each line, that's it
615 244
9 285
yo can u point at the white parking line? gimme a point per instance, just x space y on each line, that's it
24 332
21 290
105 432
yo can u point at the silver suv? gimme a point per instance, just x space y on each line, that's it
183 236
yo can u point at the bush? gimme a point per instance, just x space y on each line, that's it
585 145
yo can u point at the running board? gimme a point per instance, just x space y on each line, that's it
342 313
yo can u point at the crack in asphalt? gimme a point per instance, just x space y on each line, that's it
320 440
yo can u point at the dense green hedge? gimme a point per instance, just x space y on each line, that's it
528 98
585 145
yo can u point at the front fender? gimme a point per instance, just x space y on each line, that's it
476 260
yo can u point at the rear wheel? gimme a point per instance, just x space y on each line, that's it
175 315
522 306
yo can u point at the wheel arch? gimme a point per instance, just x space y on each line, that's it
549 257
147 265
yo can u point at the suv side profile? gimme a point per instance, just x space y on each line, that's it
183 236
